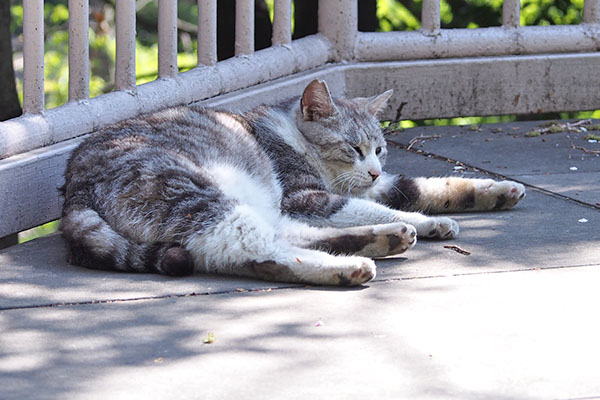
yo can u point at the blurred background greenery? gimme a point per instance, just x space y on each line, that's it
374 15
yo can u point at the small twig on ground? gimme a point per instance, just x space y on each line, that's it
568 126
457 249
420 139
587 151
573 146
557 127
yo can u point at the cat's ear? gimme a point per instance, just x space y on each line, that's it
374 104
378 102
316 101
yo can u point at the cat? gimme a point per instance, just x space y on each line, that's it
294 193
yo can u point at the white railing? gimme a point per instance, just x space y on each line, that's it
37 127
428 66
79 53
509 39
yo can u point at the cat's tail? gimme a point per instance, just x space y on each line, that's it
94 244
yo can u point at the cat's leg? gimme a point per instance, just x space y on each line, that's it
451 194
246 242
321 208
369 241
375 213
439 195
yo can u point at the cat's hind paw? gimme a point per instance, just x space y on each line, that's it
493 195
510 193
438 228
363 272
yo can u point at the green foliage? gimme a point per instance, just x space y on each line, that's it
401 15
56 14
395 16
102 47
39 231
16 22
551 12
271 6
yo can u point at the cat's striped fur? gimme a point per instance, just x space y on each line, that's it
294 193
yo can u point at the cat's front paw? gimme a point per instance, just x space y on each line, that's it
495 195
438 228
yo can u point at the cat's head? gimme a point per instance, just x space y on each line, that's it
346 135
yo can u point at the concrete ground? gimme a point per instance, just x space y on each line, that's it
515 319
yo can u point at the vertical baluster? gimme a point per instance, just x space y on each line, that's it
430 15
591 11
511 13
338 22
167 38
207 32
79 55
244 27
125 58
33 56
282 22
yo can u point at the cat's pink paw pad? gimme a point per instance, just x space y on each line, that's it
357 276
508 195
495 195
439 228
399 237
367 271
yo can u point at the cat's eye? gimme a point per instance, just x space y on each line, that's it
378 150
358 151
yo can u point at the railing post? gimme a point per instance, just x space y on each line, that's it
167 38
79 54
511 13
430 16
591 12
338 22
282 22
33 56
244 27
207 32
125 58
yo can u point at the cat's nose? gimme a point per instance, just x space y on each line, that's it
374 175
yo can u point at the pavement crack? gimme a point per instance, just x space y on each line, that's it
506 271
277 288
146 298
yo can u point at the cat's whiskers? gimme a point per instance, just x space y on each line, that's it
396 189
345 178
353 183
347 182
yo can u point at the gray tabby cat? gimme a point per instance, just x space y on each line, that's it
292 193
